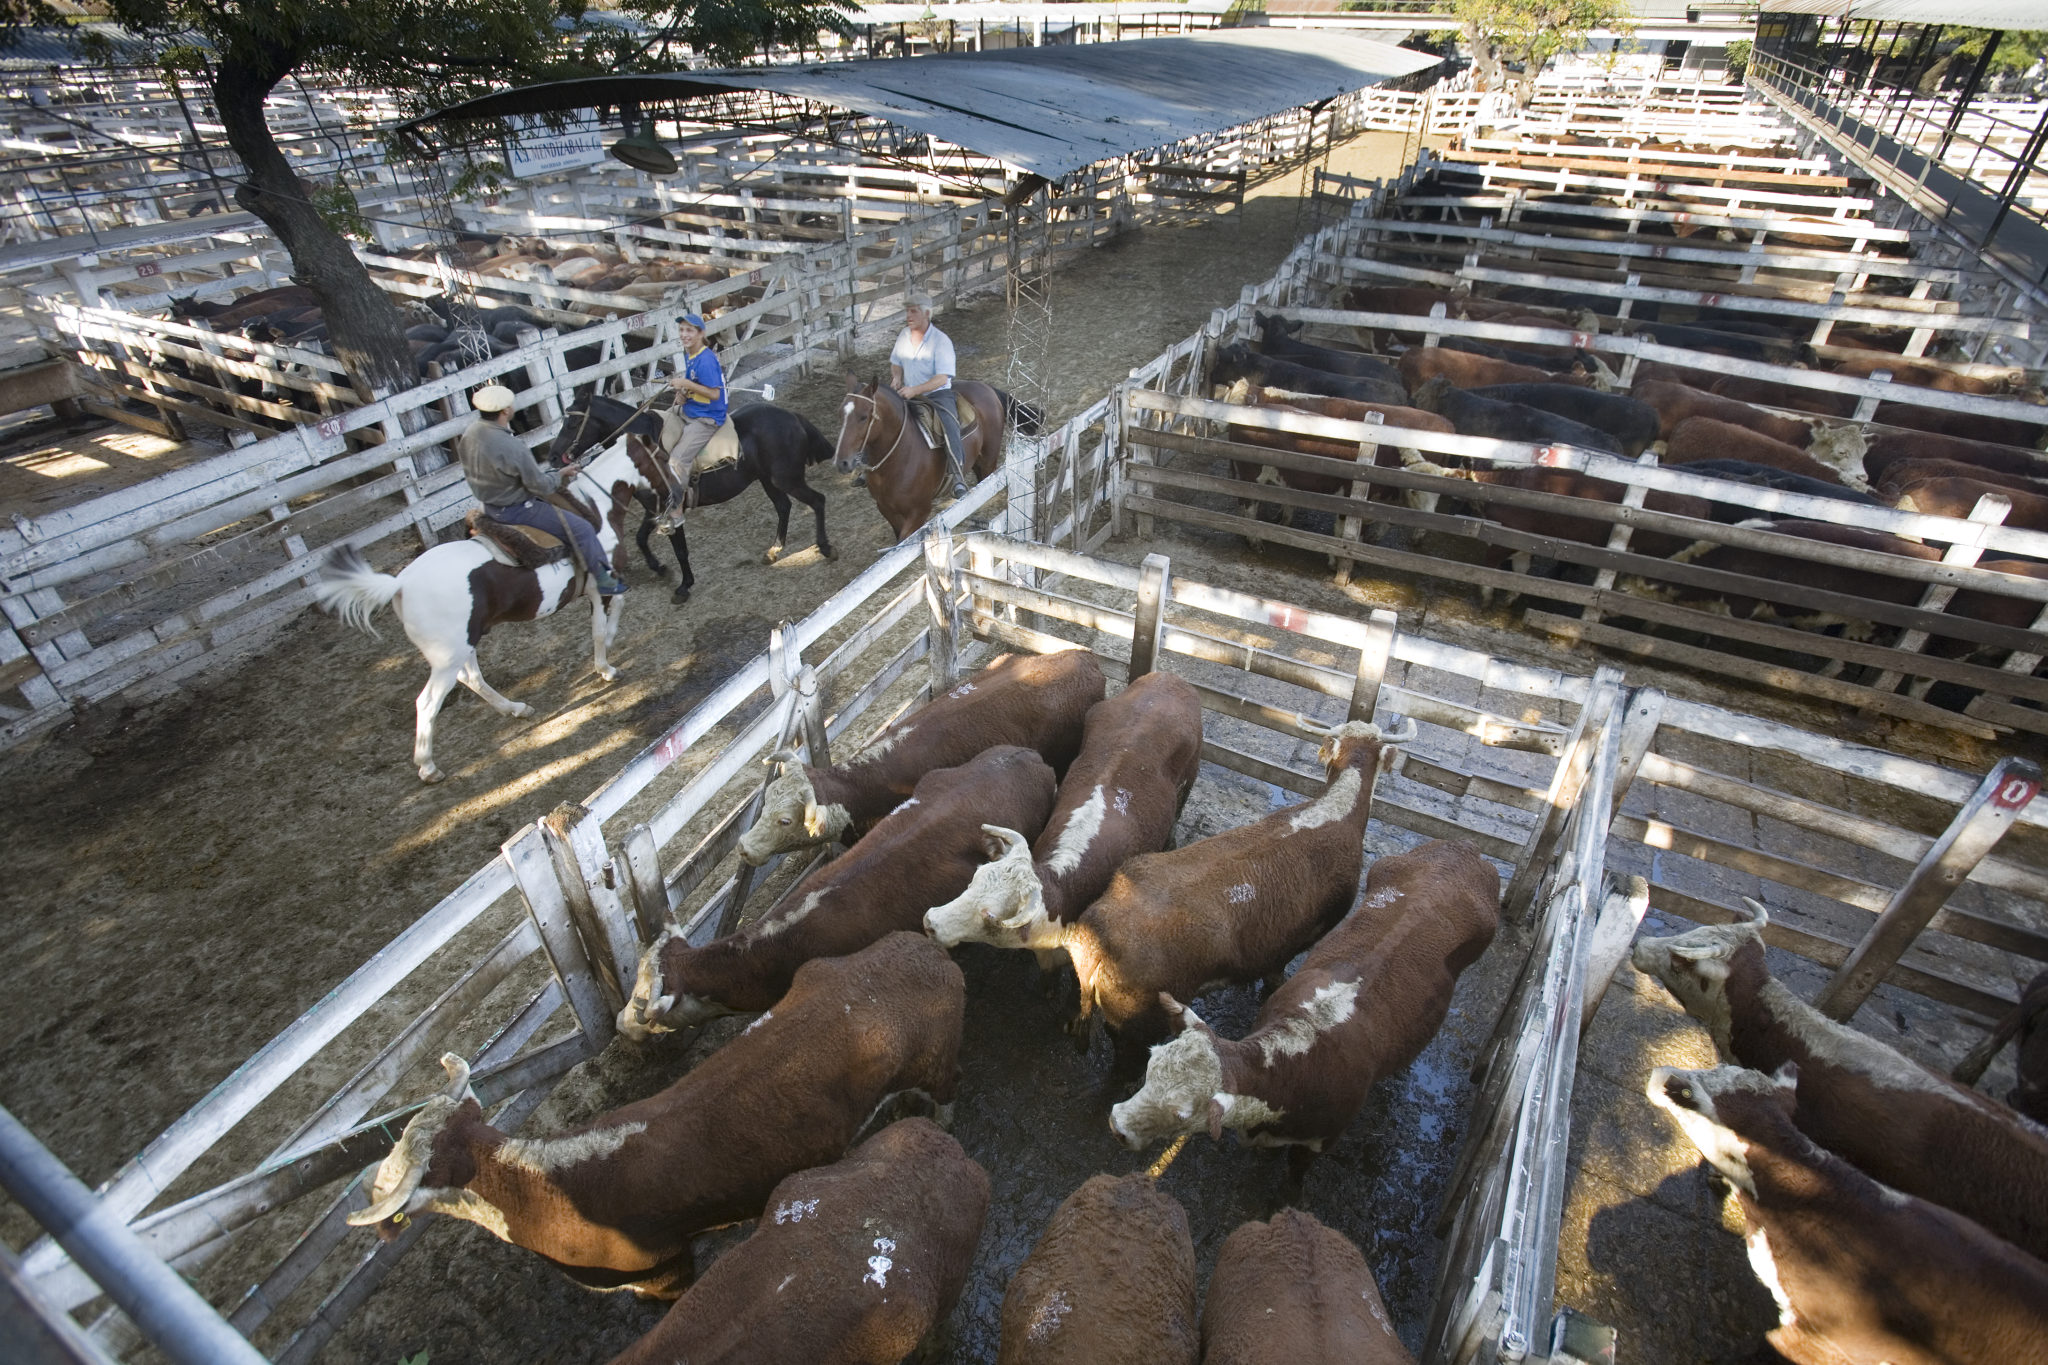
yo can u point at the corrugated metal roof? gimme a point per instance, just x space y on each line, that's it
1045 110
2017 15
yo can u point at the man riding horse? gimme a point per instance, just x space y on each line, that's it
513 488
700 382
921 367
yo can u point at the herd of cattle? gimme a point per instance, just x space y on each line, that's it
1025 810
1771 436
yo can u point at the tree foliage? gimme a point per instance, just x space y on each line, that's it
1510 40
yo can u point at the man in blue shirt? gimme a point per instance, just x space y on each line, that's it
700 381
922 367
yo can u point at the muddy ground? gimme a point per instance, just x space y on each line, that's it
188 875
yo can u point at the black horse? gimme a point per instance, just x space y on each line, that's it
776 446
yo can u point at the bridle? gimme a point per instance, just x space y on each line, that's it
868 433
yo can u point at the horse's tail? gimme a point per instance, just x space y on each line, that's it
1029 417
817 449
351 589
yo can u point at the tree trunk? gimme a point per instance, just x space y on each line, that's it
1487 69
365 330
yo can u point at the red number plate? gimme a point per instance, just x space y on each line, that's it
146 269
2015 792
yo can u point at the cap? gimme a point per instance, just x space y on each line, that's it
492 398
695 320
918 299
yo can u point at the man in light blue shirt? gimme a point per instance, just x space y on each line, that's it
921 366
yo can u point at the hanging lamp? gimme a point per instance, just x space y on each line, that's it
644 152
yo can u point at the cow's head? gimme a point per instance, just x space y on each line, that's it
1695 968
791 817
431 1163
1716 1106
1183 1089
658 1004
1341 742
1004 906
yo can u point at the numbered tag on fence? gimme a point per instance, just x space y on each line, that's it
1582 341
2015 792
328 427
147 269
1551 455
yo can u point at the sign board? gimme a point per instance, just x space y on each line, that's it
536 149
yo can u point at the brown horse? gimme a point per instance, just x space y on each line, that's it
905 471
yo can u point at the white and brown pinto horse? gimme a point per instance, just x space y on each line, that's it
451 595
904 469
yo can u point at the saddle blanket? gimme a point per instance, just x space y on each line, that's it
935 431
721 450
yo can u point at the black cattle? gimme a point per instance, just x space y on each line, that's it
1628 420
1476 416
1239 361
1763 476
1735 345
1276 338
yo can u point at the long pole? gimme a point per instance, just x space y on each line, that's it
168 1310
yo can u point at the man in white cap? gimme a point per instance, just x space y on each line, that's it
701 383
921 366
513 488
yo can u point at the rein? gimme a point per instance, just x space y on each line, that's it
875 415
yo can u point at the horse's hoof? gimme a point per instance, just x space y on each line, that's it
431 774
771 554
679 596
520 710
828 552
608 673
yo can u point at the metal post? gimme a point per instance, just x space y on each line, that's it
1566 785
1978 826
1970 88
1154 583
169 1311
2021 168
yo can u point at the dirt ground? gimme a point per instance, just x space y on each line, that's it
190 874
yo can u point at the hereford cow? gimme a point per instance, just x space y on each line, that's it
1415 300
1863 1275
1657 372
615 1202
1239 361
1038 701
1367 999
1915 1130
1385 456
1112 1281
1889 447
923 854
1475 416
1967 426
852 1264
1627 420
1139 757
1763 476
1951 497
1420 364
1674 402
1580 365
1233 907
1293 1291
1277 338
1705 438
1559 526
1902 474
1920 374
1772 394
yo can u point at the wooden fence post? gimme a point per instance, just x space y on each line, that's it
1353 528
583 865
945 607
1380 629
1978 826
1565 785
1618 535
1991 510
643 876
783 667
533 867
1155 582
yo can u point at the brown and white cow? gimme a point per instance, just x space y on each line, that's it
1420 364
1952 497
1709 438
1367 999
852 1264
1890 447
1139 756
1233 907
1863 1274
615 1202
1034 700
1111 1282
1909 1127
1675 402
1292 1292
923 853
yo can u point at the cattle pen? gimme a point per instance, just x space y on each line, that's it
1599 802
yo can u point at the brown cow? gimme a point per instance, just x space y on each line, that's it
856 1265
1038 701
1919 374
1365 1002
924 853
1657 372
1345 409
1568 483
1887 448
1967 426
1915 1130
1772 394
1139 757
1414 300
1793 570
1952 497
1112 1281
1675 402
1863 1275
1901 474
1709 438
1293 1291
1420 364
1233 907
616 1202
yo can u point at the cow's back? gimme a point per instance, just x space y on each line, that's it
1110 1282
1291 1291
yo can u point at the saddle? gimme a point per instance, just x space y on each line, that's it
721 450
934 430
522 546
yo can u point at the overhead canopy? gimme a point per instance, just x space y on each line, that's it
2021 15
1043 110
